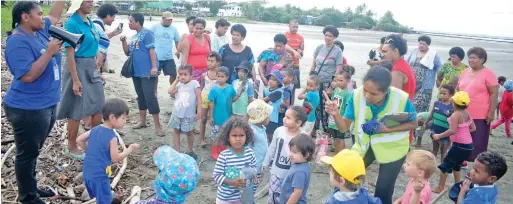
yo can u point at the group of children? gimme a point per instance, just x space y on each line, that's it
242 126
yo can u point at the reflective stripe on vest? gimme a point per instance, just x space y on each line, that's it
388 147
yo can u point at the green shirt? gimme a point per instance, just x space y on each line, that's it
449 72
342 96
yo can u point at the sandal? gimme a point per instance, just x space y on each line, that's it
140 126
73 155
160 133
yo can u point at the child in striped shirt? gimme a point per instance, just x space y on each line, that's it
228 172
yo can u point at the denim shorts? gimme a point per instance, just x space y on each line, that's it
444 140
455 157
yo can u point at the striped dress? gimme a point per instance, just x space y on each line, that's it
228 166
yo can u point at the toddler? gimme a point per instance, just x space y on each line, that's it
177 177
244 79
347 173
488 168
221 98
295 185
102 150
506 108
442 109
460 126
277 156
187 103
311 95
275 85
237 136
341 96
259 113
419 166
288 93
209 80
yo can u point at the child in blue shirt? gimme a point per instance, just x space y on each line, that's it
295 185
311 95
221 97
275 85
259 113
442 109
488 168
100 141
288 93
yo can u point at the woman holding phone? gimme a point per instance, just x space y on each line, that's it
388 145
35 63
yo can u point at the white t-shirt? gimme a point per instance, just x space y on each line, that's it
278 153
501 91
218 41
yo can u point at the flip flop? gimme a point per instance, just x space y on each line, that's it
74 156
160 134
139 126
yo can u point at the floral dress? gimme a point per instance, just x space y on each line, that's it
422 99
449 72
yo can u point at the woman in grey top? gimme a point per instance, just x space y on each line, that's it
327 60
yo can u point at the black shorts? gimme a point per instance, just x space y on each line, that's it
337 134
456 155
168 67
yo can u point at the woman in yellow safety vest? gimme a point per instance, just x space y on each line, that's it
374 140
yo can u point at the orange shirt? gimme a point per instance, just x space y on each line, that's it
295 41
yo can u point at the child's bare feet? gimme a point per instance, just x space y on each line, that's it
203 144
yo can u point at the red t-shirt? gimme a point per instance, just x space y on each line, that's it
506 106
404 67
295 41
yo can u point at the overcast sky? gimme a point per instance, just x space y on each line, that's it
483 17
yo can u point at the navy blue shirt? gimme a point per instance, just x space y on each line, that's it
298 177
21 51
139 47
98 153
77 25
441 112
231 59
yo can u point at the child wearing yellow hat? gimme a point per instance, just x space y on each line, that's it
347 173
460 126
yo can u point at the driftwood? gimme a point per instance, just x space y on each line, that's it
262 192
134 196
71 193
6 142
440 195
6 155
124 165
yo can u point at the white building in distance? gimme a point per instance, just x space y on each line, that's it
230 10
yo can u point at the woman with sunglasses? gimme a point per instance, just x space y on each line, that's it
82 91
35 63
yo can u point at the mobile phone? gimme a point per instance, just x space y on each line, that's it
120 26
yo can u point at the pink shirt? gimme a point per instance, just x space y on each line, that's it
476 85
425 194
462 134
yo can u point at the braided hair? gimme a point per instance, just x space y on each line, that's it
18 10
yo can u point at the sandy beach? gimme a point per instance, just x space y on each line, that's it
259 37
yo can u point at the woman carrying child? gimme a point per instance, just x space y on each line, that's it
187 104
388 145
237 135
277 156
460 126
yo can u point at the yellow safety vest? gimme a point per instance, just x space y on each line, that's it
388 147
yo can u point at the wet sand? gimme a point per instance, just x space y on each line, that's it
260 36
